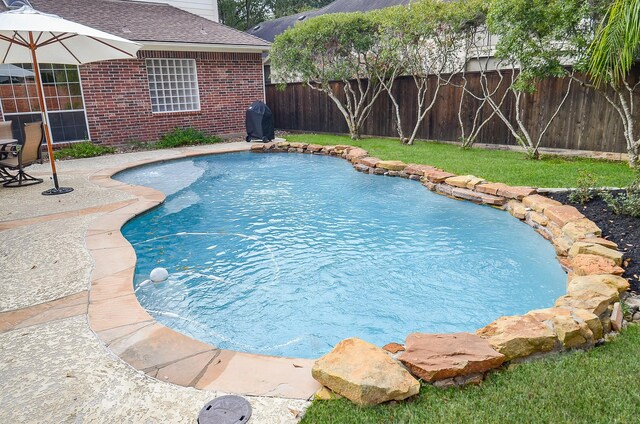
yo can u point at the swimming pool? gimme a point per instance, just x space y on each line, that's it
289 254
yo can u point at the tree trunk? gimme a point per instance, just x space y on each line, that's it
355 133
354 129
535 154
396 108
387 84
626 111
633 156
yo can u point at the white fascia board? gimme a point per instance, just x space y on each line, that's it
198 47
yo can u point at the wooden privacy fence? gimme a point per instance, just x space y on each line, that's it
585 122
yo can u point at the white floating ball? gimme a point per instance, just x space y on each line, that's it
159 275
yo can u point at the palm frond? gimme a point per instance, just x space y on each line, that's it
617 43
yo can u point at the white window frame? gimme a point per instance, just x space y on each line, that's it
167 86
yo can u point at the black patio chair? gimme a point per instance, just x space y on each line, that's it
27 153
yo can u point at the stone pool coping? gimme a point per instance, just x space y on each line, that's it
118 319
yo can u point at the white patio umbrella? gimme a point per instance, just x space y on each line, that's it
27 35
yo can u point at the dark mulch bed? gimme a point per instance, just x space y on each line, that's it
622 229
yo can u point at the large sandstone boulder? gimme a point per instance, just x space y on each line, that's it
298 145
595 293
474 196
355 153
459 180
548 314
518 336
503 190
434 357
437 176
445 189
473 182
592 321
563 214
364 373
574 327
572 333
314 148
595 249
538 218
464 181
581 228
556 231
606 284
585 264
490 188
539 203
518 193
391 165
617 317
517 209
570 326
593 302
414 169
561 244
361 168
601 241
369 161
341 148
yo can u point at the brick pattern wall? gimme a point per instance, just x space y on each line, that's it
118 103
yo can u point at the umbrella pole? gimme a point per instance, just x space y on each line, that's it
45 122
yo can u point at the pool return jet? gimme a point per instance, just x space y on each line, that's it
27 35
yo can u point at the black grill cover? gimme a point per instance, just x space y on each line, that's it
259 122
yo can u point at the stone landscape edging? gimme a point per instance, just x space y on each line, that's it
118 319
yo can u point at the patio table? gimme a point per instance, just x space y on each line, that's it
4 143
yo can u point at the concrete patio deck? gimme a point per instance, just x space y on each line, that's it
53 367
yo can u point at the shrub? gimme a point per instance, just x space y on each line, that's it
185 137
136 145
627 203
584 191
85 149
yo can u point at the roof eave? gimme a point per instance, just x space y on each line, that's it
202 47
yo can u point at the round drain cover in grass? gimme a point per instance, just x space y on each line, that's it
225 410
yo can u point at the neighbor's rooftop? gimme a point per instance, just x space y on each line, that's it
268 30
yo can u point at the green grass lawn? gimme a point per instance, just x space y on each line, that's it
598 386
493 165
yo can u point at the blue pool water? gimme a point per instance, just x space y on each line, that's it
285 254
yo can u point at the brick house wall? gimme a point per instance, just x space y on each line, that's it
118 103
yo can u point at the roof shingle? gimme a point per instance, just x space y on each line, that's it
146 22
